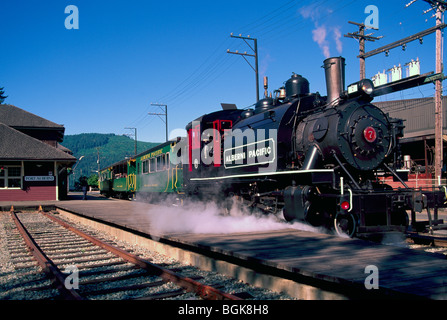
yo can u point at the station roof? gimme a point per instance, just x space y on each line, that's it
18 118
15 145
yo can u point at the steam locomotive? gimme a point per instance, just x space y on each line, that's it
318 159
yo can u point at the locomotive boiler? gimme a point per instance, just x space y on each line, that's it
313 158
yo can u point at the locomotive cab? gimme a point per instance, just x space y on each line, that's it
205 145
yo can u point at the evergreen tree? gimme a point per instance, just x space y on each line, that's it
2 95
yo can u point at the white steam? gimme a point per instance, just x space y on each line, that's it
321 33
337 37
319 36
201 217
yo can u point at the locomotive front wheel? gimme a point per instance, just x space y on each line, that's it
345 224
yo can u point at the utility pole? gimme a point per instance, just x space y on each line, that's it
135 129
438 94
255 55
161 114
361 37
440 7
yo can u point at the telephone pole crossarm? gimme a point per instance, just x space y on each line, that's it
241 54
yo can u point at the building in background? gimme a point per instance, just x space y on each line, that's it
419 134
33 164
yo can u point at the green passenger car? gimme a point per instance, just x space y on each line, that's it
105 181
155 174
145 175
118 180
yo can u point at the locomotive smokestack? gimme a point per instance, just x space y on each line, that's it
334 69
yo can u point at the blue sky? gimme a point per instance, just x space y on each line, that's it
126 55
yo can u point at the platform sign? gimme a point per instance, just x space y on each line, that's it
39 178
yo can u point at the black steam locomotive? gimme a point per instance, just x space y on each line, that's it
320 159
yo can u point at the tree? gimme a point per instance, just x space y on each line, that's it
2 95
93 181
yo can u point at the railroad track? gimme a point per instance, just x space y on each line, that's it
427 239
66 254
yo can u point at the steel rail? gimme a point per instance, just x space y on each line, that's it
190 285
47 265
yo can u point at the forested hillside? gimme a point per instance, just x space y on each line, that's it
110 148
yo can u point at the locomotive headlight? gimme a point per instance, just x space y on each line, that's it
364 87
367 86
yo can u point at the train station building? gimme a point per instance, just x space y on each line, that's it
33 163
418 142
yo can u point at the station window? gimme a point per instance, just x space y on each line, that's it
10 177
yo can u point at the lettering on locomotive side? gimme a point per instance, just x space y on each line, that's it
260 152
255 153
235 157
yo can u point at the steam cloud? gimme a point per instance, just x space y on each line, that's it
319 36
321 32
199 217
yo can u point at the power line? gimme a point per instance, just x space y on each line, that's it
261 21
191 82
418 36
203 66
268 21
286 29
277 23
200 78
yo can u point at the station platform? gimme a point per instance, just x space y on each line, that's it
350 267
